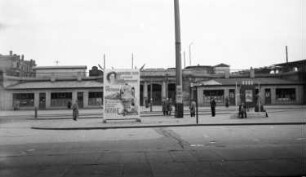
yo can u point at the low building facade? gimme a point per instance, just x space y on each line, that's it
58 91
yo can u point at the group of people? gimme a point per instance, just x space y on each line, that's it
167 107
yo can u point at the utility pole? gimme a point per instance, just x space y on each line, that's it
286 54
190 53
179 109
104 66
132 61
184 59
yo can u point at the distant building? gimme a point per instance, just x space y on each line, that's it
54 87
16 65
60 71
221 68
95 72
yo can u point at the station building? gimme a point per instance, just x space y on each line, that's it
54 87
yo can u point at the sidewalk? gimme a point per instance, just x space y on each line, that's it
156 111
276 118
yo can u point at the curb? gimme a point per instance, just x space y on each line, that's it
159 126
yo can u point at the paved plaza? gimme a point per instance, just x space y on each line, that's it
157 146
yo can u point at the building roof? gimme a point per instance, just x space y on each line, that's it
222 65
199 67
233 81
60 67
299 62
56 85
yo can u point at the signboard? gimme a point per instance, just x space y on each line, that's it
247 93
121 94
179 94
248 96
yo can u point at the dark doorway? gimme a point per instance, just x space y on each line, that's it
232 97
267 96
141 95
156 94
42 100
80 99
171 92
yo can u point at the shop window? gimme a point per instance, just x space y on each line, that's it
217 94
23 100
61 99
285 94
95 98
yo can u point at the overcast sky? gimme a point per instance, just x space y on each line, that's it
241 33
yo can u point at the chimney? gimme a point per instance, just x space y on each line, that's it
22 57
252 73
11 53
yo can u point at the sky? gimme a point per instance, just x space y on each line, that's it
240 33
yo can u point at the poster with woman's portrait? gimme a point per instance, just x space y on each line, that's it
121 94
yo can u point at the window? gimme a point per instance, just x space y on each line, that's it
60 99
95 98
23 100
217 94
285 94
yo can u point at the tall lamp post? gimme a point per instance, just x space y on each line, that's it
179 109
190 53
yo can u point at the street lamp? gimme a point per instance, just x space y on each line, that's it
190 53
179 108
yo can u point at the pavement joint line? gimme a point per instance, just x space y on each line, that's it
159 126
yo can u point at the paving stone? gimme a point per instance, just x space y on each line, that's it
280 167
182 156
170 169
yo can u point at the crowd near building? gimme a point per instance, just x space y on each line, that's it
23 85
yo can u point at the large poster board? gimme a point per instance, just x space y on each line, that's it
121 94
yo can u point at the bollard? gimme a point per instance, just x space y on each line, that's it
35 112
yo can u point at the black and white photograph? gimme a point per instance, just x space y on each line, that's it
152 88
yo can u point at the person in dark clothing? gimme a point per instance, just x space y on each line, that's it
226 102
75 111
164 108
169 107
213 107
69 105
242 111
192 109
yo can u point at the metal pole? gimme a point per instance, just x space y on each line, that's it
179 102
35 112
184 59
236 99
104 62
132 61
286 54
151 99
197 105
190 53
258 99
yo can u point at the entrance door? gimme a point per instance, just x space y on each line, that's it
42 100
80 99
267 96
232 99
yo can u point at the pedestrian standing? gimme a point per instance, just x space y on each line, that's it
226 102
192 109
69 105
164 108
213 107
75 111
169 107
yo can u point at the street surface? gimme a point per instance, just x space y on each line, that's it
265 150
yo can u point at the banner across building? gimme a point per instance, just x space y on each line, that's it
121 94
